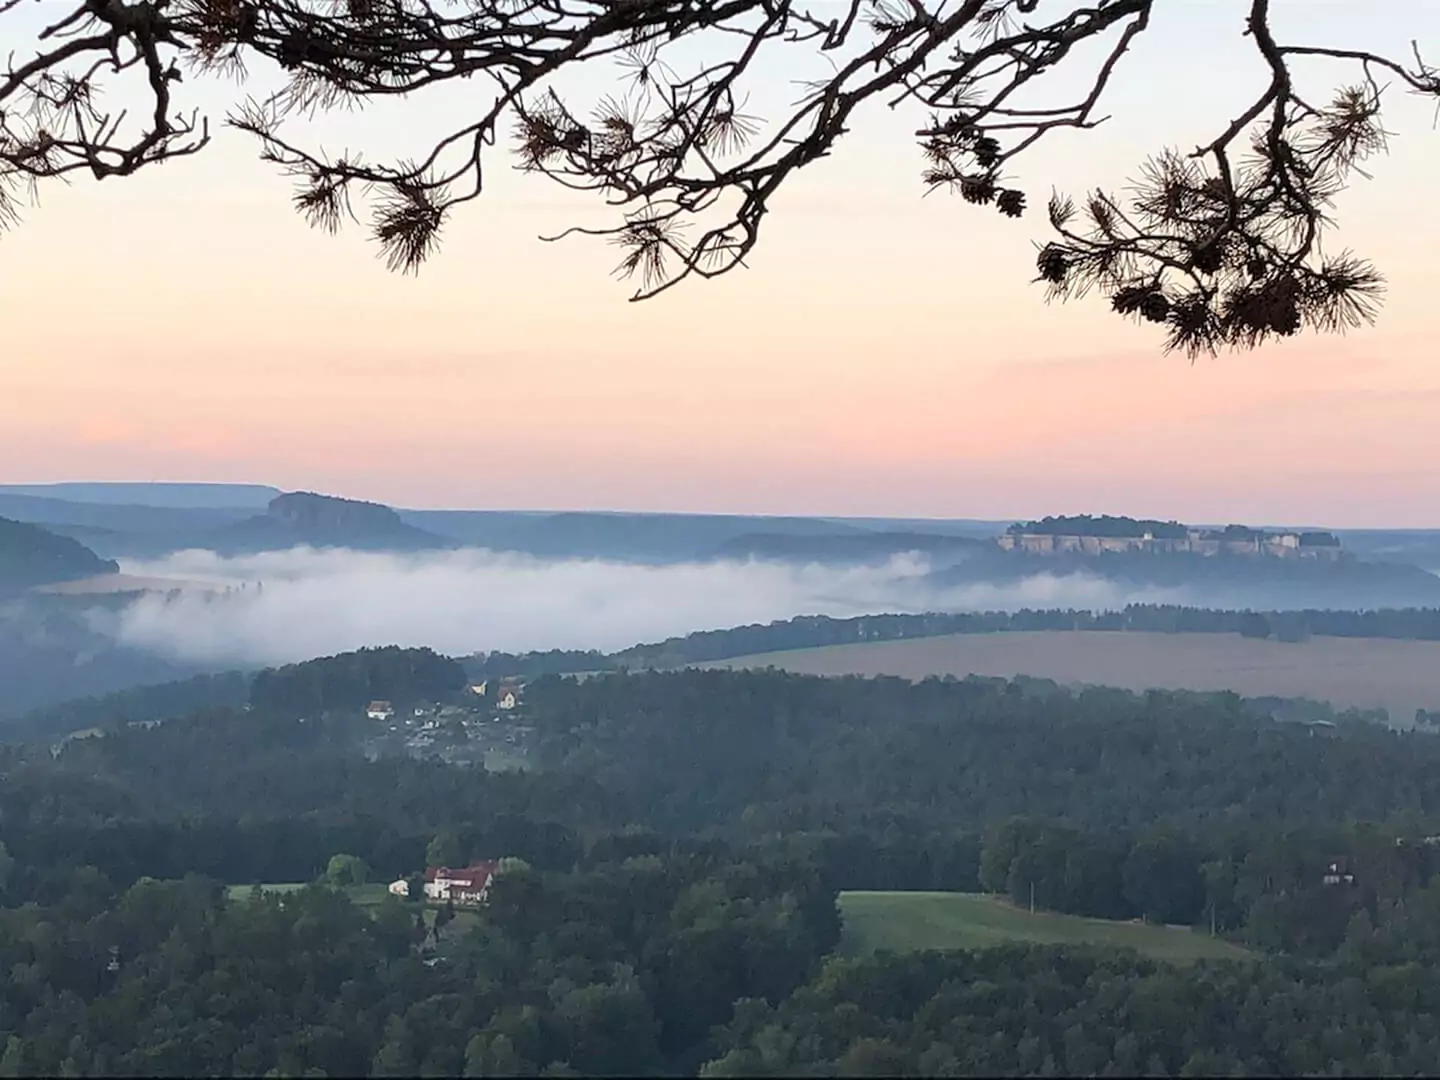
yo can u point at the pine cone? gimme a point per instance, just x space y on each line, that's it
1011 202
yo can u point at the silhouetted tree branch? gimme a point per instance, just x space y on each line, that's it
1221 245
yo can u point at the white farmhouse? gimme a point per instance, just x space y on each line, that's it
468 886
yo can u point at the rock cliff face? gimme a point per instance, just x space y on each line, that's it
303 517
309 511
30 555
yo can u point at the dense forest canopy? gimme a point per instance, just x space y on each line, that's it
772 750
350 680
667 902
1044 1012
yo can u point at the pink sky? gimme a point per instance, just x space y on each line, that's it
884 355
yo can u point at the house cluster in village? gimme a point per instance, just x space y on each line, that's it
486 721
466 887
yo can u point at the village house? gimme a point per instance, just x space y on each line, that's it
507 695
478 688
1338 872
379 710
469 886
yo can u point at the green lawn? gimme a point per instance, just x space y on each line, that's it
910 921
360 895
242 892
504 759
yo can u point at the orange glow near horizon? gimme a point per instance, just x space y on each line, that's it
884 355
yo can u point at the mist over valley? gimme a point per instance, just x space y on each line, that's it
203 578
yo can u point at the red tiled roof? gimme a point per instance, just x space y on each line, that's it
470 877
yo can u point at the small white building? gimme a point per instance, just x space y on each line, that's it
478 688
1338 873
400 888
379 710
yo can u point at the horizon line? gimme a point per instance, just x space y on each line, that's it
621 511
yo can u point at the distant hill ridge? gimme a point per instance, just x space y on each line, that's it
150 520
311 510
305 517
158 494
1090 535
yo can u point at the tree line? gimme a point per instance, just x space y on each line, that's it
1047 1011
814 631
350 680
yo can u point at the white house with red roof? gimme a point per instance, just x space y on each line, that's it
470 885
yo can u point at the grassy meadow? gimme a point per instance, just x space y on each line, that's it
1364 673
913 921
371 894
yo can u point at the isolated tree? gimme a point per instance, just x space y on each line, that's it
444 917
444 849
345 870
1254 625
1220 244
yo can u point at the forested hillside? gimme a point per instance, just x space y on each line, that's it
349 681
327 684
134 705
1062 1012
30 556
668 903
782 751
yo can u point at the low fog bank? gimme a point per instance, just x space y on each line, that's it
281 607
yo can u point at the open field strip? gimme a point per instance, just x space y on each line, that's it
913 921
1365 673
